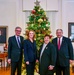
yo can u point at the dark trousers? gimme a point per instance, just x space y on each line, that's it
16 66
48 73
30 68
63 70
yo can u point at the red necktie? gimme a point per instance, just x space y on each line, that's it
59 44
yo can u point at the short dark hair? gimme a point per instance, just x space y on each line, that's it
47 35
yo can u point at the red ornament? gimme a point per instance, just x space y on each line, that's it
50 36
33 12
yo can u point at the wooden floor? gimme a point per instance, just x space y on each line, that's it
7 72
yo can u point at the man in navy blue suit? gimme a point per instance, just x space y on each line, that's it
15 51
64 53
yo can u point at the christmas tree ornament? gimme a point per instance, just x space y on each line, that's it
33 11
39 34
32 25
44 13
40 20
39 10
41 40
44 28
37 3
50 36
47 25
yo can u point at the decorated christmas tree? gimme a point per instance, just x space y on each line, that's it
38 22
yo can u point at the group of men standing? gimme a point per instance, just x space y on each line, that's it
53 57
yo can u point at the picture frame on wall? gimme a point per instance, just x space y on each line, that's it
71 31
3 34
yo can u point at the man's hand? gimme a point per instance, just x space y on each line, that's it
27 62
9 61
50 67
37 61
70 61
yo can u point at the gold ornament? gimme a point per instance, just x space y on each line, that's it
41 40
40 20
47 25
44 13
39 10
44 19
32 25
44 28
39 34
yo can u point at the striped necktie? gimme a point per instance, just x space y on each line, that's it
18 41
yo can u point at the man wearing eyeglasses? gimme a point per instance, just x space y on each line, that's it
64 53
15 48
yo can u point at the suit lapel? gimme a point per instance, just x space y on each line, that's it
30 43
62 42
41 49
20 41
34 45
45 48
56 43
15 41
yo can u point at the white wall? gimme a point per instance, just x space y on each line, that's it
48 5
67 14
10 15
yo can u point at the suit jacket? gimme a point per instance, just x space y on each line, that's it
48 58
30 51
14 52
65 53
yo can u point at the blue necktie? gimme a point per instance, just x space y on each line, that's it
18 41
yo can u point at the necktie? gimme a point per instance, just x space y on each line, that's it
59 44
18 41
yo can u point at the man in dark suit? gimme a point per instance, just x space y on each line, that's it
64 53
47 57
15 46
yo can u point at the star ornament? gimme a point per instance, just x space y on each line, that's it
37 3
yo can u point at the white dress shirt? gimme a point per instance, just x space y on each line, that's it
44 45
60 40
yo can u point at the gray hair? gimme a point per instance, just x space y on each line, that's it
18 28
59 29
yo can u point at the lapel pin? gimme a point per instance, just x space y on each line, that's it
46 47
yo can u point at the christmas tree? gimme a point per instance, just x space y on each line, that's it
39 23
